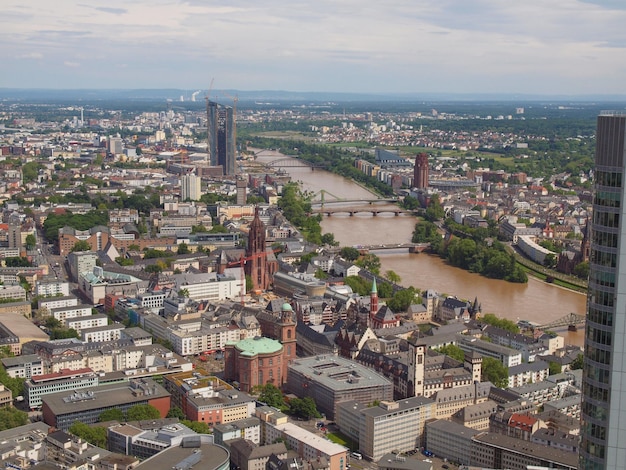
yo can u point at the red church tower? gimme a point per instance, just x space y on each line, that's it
258 267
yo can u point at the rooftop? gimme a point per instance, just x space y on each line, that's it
336 372
258 345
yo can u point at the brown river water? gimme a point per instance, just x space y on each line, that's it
535 301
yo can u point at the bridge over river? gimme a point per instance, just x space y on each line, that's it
356 206
409 247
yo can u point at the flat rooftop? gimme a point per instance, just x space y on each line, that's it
206 456
338 373
102 396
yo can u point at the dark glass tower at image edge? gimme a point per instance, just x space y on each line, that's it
603 413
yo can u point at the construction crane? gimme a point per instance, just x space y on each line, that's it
242 261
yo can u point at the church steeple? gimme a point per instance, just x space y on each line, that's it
373 300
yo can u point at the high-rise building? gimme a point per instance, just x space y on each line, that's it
242 192
221 136
420 172
603 443
190 187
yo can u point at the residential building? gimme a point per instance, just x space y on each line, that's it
52 288
24 366
308 445
248 429
190 187
90 321
73 311
100 334
528 372
246 455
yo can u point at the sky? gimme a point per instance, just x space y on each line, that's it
547 47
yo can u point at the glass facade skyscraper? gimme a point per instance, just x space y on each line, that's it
603 417
221 136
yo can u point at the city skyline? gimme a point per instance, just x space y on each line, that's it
561 47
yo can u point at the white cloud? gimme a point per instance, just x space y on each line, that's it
30 55
352 45
68 63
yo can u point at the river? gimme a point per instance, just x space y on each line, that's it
535 301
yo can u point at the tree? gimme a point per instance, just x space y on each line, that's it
393 277
582 270
272 395
403 299
96 435
435 210
52 322
113 414
141 412
197 426
503 323
554 368
550 261
577 363
63 333
385 290
453 351
183 249
176 412
369 262
31 241
81 245
495 372
11 418
329 239
304 407
349 254
320 274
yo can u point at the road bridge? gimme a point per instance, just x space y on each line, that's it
293 162
351 211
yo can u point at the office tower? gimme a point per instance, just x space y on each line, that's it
190 186
221 136
242 192
603 444
116 145
420 172
15 235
